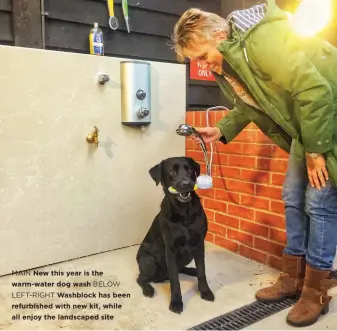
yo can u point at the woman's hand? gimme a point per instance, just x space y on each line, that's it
317 171
208 134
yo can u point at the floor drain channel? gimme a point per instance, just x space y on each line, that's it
244 316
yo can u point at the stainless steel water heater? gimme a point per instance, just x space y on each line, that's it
136 93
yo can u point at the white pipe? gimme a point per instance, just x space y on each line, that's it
207 121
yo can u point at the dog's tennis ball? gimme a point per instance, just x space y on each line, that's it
172 190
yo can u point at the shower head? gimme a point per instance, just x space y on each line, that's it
185 130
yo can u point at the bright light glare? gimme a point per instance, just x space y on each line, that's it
311 17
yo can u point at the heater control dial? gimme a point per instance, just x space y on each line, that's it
141 94
143 112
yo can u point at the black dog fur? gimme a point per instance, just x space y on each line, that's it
177 233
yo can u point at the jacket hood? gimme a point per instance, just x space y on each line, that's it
246 19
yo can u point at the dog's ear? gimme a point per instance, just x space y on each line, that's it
156 172
194 165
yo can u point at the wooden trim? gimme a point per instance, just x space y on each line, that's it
142 21
172 7
73 36
202 82
203 96
6 33
27 23
6 5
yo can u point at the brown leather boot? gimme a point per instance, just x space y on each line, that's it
289 283
314 300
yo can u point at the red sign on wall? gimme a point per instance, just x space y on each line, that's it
197 73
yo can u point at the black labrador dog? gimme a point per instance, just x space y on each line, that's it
177 233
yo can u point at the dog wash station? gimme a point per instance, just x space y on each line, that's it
77 140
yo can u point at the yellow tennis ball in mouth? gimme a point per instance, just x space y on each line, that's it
174 191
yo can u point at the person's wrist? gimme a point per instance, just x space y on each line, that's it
219 134
313 155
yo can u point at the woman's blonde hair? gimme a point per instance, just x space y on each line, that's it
195 23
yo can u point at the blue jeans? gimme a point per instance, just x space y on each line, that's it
311 216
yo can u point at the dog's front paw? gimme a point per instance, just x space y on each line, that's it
148 291
176 306
207 295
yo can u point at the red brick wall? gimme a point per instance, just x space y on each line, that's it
244 208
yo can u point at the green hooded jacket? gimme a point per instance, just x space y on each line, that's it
293 79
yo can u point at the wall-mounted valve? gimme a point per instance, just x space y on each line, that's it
102 79
92 138
143 112
141 94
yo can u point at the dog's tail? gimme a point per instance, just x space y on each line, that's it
189 271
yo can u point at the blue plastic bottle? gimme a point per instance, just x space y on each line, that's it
96 41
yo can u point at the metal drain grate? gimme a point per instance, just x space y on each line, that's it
245 316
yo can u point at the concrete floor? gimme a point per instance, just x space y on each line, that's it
233 279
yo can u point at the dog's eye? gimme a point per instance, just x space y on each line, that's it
172 172
188 169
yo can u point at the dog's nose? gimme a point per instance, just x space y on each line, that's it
185 183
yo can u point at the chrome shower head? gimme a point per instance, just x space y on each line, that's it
185 130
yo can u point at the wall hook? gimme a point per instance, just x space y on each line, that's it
92 138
